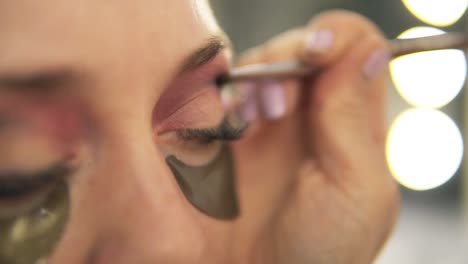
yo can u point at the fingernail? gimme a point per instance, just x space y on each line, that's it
273 100
249 108
320 41
229 97
376 64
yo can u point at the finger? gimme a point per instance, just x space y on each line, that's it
323 42
346 112
347 130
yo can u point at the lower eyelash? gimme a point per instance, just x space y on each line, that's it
17 185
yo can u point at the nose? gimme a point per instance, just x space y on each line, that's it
129 209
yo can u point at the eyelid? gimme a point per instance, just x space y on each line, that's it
186 86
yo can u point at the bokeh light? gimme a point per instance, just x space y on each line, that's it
439 13
424 149
429 79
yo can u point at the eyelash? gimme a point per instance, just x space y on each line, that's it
221 80
16 185
225 132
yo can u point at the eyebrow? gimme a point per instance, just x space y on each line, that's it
205 54
42 81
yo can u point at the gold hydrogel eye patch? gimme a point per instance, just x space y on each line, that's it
24 239
210 188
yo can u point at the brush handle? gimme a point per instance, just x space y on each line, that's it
398 47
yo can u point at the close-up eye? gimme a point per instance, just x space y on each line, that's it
191 119
34 195
33 213
194 131
199 146
21 191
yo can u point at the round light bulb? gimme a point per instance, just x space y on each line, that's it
429 79
439 13
424 149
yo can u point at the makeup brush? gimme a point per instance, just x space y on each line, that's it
296 68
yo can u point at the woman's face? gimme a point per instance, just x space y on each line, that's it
94 97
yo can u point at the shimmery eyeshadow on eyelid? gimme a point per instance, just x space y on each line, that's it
189 86
200 112
65 125
61 122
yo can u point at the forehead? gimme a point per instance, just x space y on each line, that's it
80 31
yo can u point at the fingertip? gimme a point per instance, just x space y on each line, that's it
252 55
376 64
324 45
373 55
249 111
273 100
319 46
319 42
332 34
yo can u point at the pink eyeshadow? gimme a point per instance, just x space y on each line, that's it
189 86
60 122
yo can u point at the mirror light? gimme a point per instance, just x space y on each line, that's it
439 13
424 149
429 79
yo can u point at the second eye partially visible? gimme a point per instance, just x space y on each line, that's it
21 192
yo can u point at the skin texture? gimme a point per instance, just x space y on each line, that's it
325 196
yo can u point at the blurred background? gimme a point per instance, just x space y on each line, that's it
426 113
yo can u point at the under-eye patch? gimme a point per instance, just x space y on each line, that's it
25 238
210 188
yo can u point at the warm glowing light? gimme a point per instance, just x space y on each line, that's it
429 79
439 13
424 149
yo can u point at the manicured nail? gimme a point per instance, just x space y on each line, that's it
320 41
376 64
229 97
249 107
273 100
